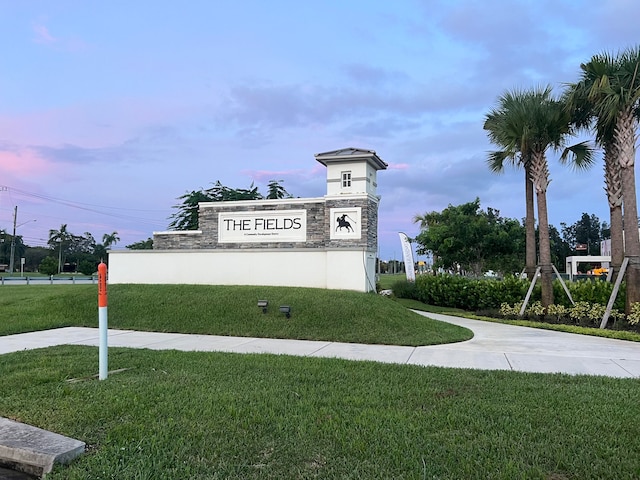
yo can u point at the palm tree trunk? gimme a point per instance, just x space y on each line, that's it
613 187
540 180
530 227
617 240
625 140
546 268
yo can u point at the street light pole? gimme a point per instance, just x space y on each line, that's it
13 240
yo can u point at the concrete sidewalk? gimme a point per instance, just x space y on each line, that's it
494 347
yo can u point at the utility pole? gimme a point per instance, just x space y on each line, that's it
13 240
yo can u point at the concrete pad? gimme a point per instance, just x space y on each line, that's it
201 343
358 351
34 451
459 358
631 366
26 341
279 347
131 339
567 364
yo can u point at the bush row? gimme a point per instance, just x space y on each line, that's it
486 294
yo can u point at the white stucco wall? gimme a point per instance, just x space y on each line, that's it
333 269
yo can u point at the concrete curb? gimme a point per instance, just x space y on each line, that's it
34 451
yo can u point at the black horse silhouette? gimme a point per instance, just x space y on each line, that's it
344 223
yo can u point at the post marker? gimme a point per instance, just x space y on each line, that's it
102 320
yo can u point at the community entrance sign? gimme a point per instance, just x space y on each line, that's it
325 242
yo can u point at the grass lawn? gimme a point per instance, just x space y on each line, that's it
386 280
216 415
196 415
317 314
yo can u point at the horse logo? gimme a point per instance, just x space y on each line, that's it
344 223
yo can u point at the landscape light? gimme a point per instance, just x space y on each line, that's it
263 304
286 309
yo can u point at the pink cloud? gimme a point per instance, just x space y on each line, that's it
42 35
22 162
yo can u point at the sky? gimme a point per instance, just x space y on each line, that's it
110 111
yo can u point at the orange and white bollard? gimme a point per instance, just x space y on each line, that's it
102 321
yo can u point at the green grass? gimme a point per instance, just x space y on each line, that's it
214 415
386 280
317 314
196 415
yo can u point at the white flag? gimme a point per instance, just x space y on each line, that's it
407 254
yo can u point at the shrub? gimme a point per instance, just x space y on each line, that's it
470 294
507 310
595 314
557 312
634 317
405 289
48 266
87 267
536 309
593 291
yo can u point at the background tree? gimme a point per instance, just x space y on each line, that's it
186 217
222 193
540 122
109 239
87 267
560 249
141 245
505 126
467 238
48 266
587 231
611 86
58 239
275 190
34 256
5 248
19 248
580 102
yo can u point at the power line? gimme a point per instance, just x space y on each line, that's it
90 207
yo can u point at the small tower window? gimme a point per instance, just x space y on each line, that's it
346 179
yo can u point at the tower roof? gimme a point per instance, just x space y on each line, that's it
350 154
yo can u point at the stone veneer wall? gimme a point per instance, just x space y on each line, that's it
318 225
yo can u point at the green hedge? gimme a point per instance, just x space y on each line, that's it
485 294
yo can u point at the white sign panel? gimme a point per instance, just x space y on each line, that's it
346 223
263 226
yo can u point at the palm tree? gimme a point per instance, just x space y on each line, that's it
505 126
526 124
110 239
611 85
422 220
59 237
578 101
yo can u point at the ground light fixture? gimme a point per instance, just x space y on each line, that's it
263 304
286 309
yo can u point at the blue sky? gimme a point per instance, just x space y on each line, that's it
109 111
